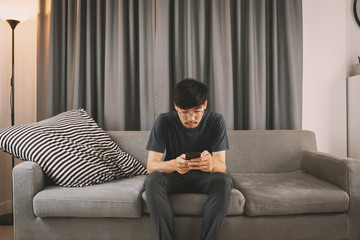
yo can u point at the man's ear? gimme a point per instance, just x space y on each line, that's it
205 104
176 108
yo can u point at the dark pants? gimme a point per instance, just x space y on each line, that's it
159 185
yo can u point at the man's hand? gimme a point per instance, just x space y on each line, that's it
155 163
205 162
182 165
209 163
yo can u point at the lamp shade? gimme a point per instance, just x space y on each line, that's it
14 12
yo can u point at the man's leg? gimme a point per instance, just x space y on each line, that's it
218 186
157 187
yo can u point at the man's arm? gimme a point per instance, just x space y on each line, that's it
155 163
209 163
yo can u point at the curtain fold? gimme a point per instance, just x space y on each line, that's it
129 63
75 60
120 60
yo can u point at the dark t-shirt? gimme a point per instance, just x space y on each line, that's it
170 134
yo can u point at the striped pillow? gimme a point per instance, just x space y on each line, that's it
71 149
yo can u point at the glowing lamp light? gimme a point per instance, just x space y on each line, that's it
14 12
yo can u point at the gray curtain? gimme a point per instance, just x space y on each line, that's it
120 60
71 74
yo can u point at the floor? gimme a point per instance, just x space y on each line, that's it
6 233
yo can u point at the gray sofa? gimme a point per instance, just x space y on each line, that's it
283 189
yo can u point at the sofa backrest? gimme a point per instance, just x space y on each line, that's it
264 151
250 150
132 142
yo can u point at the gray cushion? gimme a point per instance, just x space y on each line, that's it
193 204
118 198
289 193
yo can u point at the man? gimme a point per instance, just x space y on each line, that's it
188 129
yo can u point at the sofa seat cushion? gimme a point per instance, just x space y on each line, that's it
289 193
117 198
193 203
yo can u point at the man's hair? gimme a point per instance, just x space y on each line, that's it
189 93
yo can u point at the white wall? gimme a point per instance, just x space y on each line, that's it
331 47
324 74
25 86
352 39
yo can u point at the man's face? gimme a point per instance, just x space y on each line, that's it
191 118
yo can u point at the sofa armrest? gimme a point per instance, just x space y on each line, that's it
343 172
327 167
28 180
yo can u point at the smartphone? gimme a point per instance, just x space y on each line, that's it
191 155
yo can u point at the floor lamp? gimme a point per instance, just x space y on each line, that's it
13 15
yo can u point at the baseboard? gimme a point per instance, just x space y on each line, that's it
5 207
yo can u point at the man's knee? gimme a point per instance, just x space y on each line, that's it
222 181
155 178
